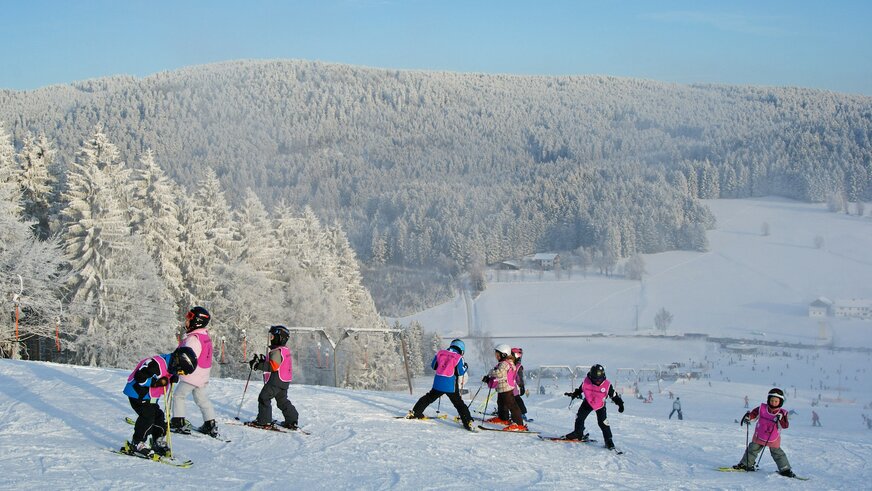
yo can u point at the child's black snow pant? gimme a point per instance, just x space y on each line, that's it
278 390
150 420
433 395
601 419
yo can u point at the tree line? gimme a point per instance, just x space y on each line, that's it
446 172
117 253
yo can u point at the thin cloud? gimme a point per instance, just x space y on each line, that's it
723 22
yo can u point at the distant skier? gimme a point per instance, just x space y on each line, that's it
746 402
676 408
196 338
145 386
502 378
278 371
815 419
595 388
520 387
449 367
770 415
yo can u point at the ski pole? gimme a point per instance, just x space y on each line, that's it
474 396
767 441
169 408
438 406
250 369
484 413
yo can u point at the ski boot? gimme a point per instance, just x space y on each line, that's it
290 426
159 447
787 473
742 467
209 428
498 421
468 426
140 449
180 425
412 415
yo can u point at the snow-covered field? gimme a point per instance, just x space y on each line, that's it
57 421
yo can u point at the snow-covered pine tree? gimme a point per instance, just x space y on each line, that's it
111 271
415 338
8 170
156 198
36 183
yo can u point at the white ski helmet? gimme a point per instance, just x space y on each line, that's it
503 349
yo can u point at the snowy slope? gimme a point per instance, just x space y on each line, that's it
56 422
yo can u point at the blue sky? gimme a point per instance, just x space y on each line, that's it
814 44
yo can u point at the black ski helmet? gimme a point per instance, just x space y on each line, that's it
597 374
278 335
776 392
198 317
183 361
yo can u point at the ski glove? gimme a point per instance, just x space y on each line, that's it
174 379
161 382
256 360
620 406
574 395
485 379
746 419
778 417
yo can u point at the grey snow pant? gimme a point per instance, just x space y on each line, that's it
778 455
180 395
275 391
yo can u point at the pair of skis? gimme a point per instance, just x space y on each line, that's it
125 450
585 439
195 431
731 469
272 427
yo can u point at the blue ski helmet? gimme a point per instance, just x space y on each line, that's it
457 343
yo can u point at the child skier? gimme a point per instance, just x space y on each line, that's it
197 338
770 415
277 376
449 366
145 385
595 389
502 378
520 388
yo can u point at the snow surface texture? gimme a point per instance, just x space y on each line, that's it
56 421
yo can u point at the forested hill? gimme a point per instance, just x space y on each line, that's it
449 169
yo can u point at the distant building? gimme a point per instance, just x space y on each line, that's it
545 260
855 308
820 307
507 265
